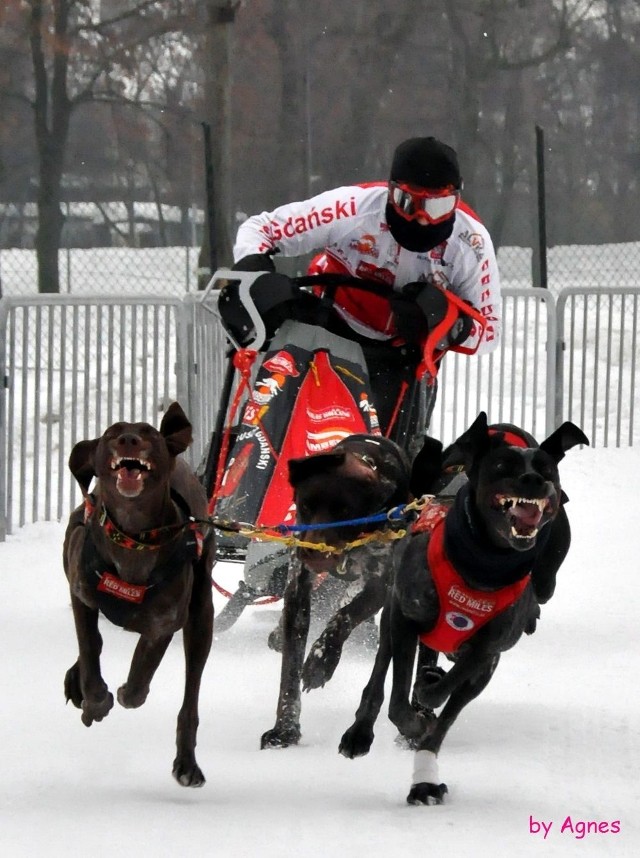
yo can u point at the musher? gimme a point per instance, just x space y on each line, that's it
409 234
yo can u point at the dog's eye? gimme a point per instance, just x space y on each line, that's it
498 468
548 472
546 468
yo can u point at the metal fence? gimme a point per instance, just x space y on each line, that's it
72 365
597 369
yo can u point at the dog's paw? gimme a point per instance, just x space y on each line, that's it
427 794
274 641
428 690
406 744
188 774
320 665
96 710
280 737
132 700
72 691
411 723
356 742
433 696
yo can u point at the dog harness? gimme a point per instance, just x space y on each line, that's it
116 598
463 610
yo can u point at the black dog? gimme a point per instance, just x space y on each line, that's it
467 587
133 553
359 477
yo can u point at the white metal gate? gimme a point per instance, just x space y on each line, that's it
71 365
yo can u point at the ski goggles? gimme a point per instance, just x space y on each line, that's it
433 206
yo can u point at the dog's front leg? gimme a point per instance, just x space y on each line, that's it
84 684
435 693
146 657
197 635
296 611
425 788
357 740
325 653
404 641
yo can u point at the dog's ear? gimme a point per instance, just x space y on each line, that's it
472 443
308 466
176 429
426 467
564 438
81 462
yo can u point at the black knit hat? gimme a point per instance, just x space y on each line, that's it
427 163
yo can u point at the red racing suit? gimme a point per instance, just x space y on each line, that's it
349 225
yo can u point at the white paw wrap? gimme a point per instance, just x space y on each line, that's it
425 768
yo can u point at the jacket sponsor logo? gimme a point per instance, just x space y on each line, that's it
475 242
370 272
366 245
436 254
438 278
293 226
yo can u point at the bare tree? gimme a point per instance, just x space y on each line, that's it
80 53
216 52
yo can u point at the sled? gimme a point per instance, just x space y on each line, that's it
293 387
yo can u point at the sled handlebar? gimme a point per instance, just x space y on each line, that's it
242 310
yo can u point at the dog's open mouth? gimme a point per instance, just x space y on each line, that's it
131 474
525 515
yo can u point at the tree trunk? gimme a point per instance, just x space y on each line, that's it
47 240
217 50
52 112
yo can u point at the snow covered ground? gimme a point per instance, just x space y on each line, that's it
553 739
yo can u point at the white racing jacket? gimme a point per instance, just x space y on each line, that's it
349 224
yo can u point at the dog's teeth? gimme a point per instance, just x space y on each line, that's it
507 502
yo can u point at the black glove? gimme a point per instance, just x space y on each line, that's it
460 330
255 262
433 302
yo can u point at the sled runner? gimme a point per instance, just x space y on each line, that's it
297 382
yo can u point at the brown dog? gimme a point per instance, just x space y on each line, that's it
361 476
133 552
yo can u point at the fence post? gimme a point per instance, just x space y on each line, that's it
3 421
540 270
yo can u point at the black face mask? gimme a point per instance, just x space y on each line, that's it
414 236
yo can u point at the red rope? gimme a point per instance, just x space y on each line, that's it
396 410
243 360
265 600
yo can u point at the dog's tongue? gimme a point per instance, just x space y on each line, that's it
526 516
129 481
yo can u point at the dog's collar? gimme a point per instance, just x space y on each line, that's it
146 540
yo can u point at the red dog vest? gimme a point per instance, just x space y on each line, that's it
463 610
